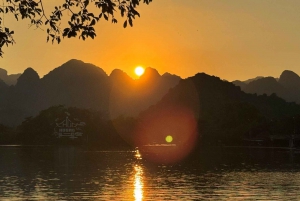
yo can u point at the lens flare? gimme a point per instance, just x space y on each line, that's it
169 139
154 126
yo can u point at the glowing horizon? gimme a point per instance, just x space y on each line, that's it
232 40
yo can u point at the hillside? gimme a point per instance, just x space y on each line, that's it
82 85
205 109
287 86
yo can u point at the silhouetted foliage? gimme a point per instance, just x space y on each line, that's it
81 22
7 135
98 132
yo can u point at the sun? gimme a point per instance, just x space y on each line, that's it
139 71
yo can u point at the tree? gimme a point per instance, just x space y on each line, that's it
81 22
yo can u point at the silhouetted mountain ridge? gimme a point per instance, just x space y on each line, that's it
82 85
28 77
286 87
9 79
223 112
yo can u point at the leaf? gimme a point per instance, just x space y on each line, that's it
105 17
86 3
114 20
66 32
125 24
91 14
93 22
92 34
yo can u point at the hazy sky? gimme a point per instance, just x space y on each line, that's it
232 39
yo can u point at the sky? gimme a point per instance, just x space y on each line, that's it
232 39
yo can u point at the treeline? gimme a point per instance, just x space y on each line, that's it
98 132
230 124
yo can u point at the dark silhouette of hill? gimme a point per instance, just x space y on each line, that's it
217 111
289 79
253 79
244 84
21 99
138 95
25 92
286 87
75 83
9 79
122 88
29 78
3 91
82 85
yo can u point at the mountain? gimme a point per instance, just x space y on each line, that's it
130 97
77 84
205 109
9 79
289 79
286 87
253 79
28 79
82 85
122 93
243 84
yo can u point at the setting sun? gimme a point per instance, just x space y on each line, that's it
139 71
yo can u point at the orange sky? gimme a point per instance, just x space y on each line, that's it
232 39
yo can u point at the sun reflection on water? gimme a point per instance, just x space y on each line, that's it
138 183
137 154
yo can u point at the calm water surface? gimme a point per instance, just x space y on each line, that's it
47 173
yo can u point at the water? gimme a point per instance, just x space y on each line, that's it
48 173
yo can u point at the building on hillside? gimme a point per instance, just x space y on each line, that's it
69 129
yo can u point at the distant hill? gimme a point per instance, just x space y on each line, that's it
82 85
286 87
9 79
253 79
138 95
205 109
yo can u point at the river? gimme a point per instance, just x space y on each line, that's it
69 173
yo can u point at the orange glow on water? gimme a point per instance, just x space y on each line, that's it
138 183
138 155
